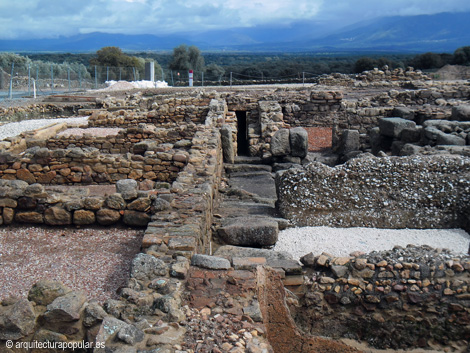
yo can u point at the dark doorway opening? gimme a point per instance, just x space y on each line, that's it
242 135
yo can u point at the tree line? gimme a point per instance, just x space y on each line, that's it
246 66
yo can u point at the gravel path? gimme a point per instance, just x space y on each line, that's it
14 129
96 260
343 241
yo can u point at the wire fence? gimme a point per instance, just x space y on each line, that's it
21 81
18 81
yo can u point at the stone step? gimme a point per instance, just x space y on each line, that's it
238 208
238 168
251 174
229 252
249 231
248 160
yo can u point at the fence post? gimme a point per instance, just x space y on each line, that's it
202 83
303 78
10 91
96 78
80 78
230 79
163 77
68 76
107 73
29 79
172 81
52 78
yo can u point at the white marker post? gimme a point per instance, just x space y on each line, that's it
190 78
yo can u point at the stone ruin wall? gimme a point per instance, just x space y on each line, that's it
76 166
155 110
124 141
399 299
182 228
179 226
402 298
329 109
390 192
33 204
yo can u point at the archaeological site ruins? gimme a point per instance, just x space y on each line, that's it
198 187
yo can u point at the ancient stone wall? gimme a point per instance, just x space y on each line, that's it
89 166
402 298
158 110
180 225
125 140
33 204
390 192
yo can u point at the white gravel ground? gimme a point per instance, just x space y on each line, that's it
343 241
14 129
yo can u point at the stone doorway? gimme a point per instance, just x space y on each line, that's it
242 134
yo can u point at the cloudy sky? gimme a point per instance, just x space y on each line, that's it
51 18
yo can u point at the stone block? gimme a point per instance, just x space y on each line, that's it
280 143
227 144
298 138
83 217
29 217
147 267
182 243
135 218
392 127
116 202
247 263
107 216
17 320
210 262
57 216
350 141
66 308
411 135
127 188
461 113
141 204
246 231
404 112
45 291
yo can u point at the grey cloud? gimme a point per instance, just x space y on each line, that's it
49 18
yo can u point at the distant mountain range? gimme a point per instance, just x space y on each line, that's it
442 32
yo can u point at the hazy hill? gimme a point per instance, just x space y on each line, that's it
440 32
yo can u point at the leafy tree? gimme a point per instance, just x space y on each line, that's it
364 64
215 71
185 58
462 56
252 72
196 60
114 56
427 61
6 59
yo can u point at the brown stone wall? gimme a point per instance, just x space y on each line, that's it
125 140
33 204
282 332
399 299
160 111
85 166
